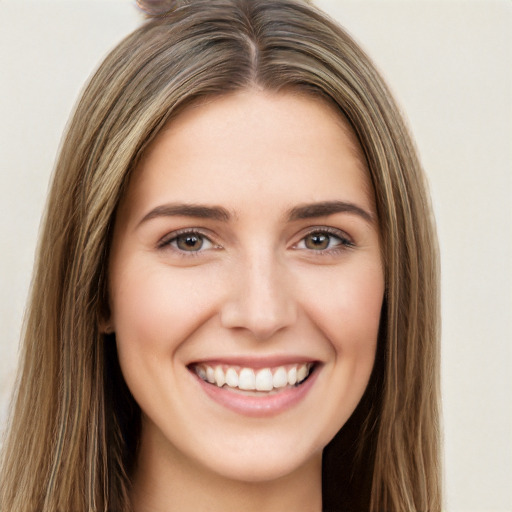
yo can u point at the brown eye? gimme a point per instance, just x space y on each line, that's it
317 241
323 241
189 242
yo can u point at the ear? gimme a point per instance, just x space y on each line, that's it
104 316
106 328
105 322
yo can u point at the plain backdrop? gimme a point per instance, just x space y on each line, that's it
449 64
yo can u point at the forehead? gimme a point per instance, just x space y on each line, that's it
287 147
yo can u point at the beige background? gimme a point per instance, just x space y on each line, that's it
449 63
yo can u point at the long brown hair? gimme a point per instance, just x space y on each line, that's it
73 433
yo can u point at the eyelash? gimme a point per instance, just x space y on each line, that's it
171 240
344 241
167 242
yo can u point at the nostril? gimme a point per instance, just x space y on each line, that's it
260 323
261 300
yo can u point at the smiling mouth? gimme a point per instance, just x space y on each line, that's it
254 380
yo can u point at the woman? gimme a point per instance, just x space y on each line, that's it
235 301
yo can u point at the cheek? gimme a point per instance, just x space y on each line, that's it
138 311
347 313
156 308
154 311
348 310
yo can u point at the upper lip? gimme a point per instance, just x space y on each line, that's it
255 361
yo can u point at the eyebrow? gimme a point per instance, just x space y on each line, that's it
307 211
326 208
188 210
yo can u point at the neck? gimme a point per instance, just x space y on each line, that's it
170 481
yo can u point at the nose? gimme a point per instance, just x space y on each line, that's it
261 299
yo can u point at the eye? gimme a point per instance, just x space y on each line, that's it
189 241
324 240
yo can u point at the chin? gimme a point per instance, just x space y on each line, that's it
253 468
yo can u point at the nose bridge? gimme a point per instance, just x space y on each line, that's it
262 300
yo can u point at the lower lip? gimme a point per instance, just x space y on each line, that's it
258 406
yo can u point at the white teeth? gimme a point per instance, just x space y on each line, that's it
232 378
201 372
210 375
302 373
265 379
292 376
247 380
220 379
280 378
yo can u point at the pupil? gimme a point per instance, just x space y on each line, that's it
318 241
188 242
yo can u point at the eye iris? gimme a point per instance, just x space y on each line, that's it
317 241
189 242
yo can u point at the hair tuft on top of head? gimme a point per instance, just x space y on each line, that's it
158 8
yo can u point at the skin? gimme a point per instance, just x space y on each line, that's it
259 286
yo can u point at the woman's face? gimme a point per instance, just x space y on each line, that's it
246 255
